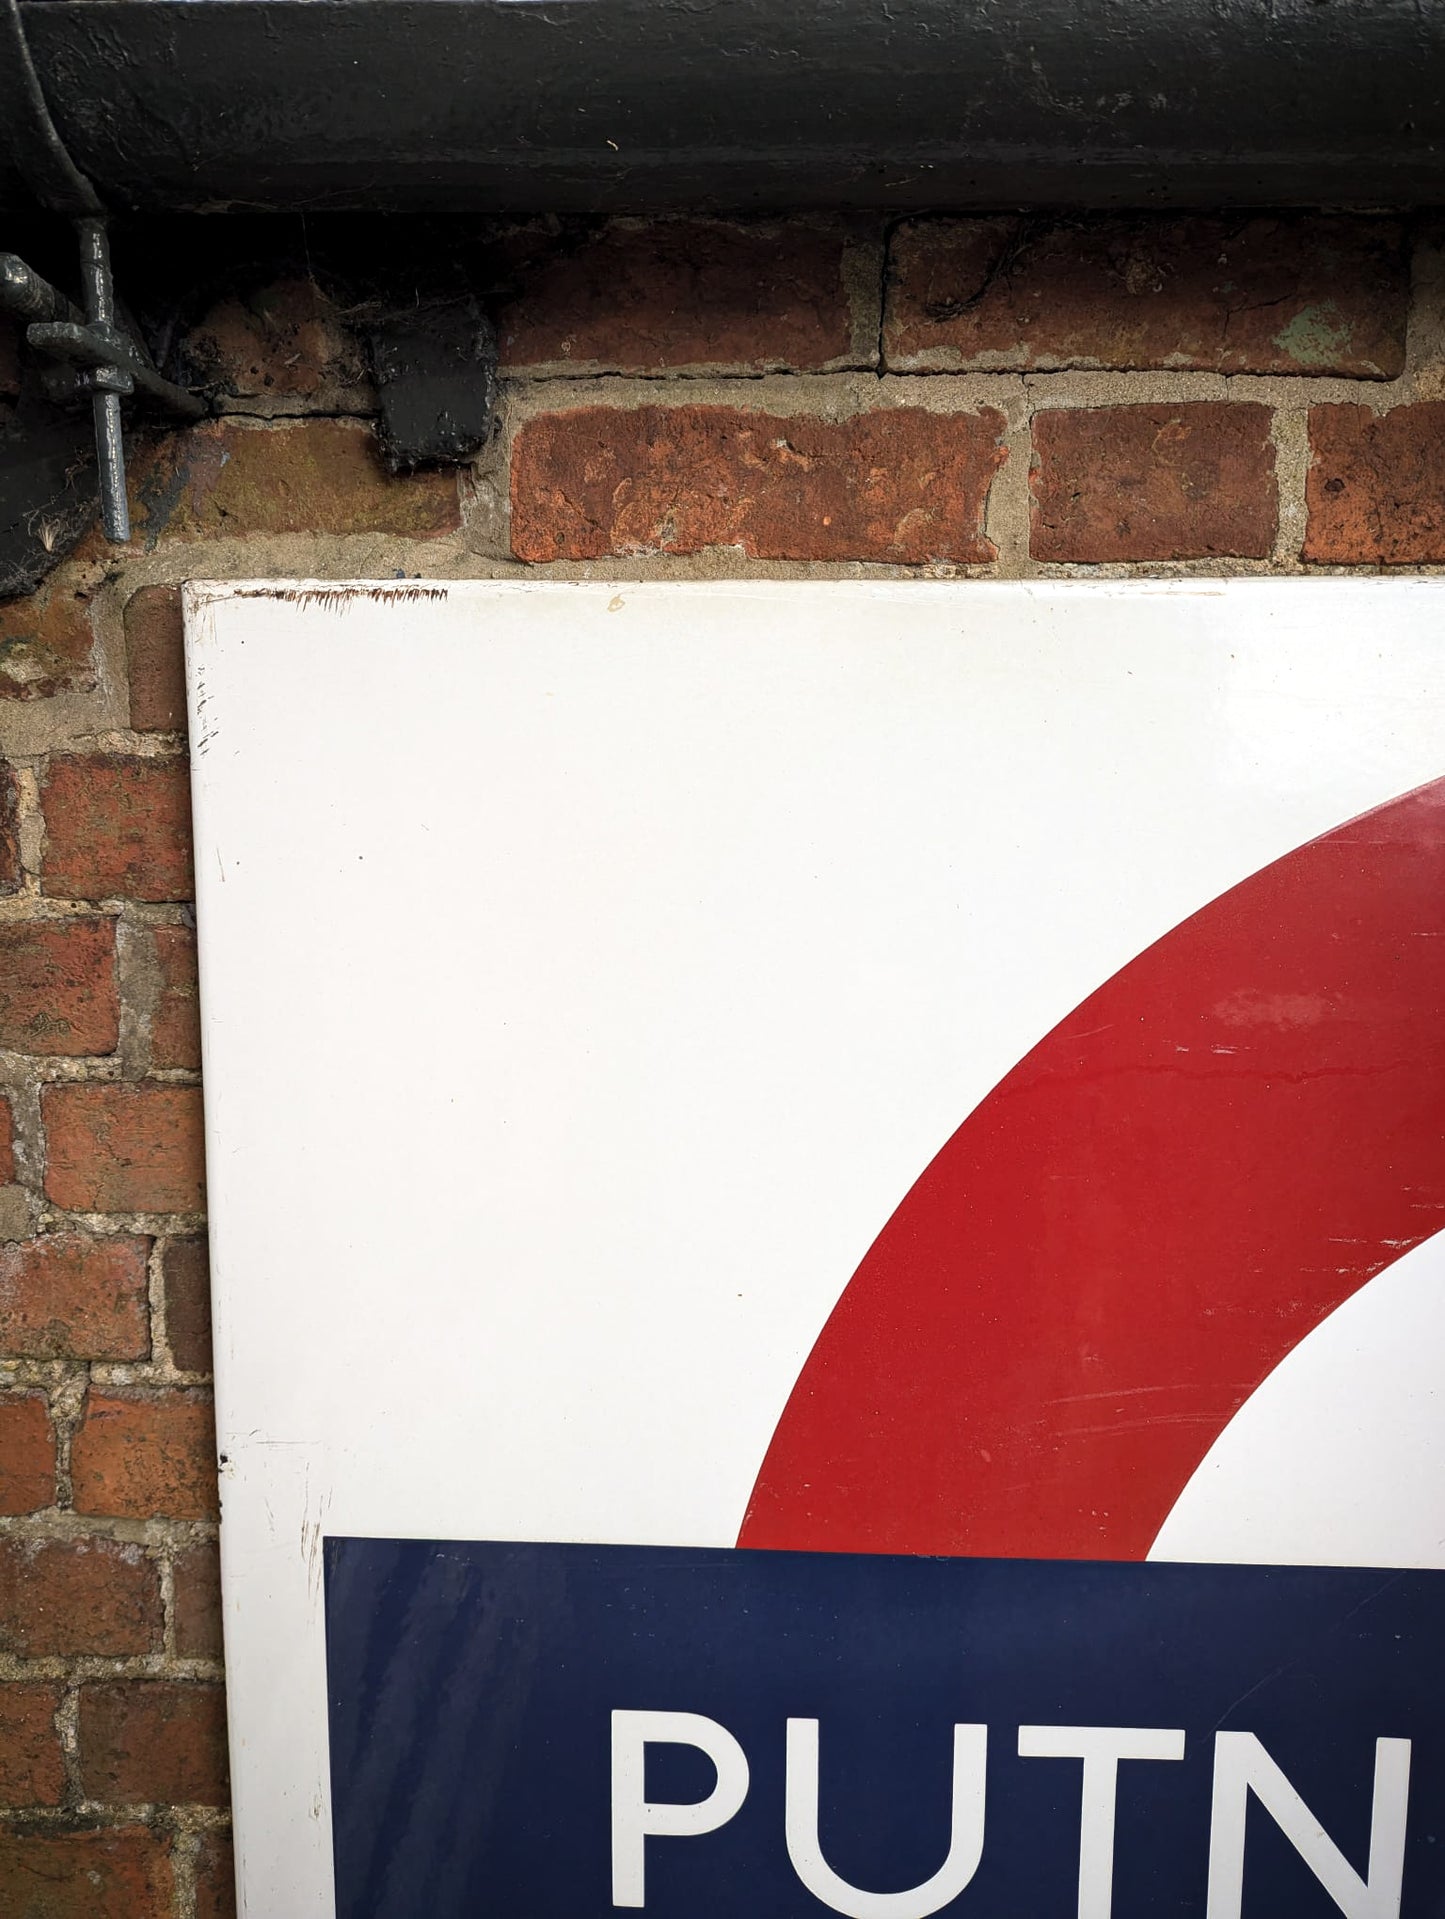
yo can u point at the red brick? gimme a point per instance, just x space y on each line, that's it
9 832
155 660
279 349
121 1873
67 1598
46 639
657 296
901 485
153 1742
116 1148
313 476
145 1456
176 1024
186 1271
32 1772
116 826
7 1143
57 986
1135 483
198 1602
1245 294
215 1873
27 1454
1376 485
68 1296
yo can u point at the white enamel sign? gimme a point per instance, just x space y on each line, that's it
759 1132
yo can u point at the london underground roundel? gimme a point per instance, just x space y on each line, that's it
1127 1239
863 1302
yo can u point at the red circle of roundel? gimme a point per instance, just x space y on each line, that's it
1218 1147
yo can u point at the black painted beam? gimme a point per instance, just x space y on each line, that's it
588 105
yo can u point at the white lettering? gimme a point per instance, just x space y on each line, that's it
634 1817
965 1848
1101 1748
1242 1766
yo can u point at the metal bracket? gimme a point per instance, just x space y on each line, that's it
109 361
435 366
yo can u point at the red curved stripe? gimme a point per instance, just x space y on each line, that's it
1219 1146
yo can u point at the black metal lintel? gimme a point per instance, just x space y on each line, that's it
638 106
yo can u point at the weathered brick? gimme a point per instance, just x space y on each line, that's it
118 1148
32 1772
69 1296
1246 294
186 1271
197 1585
153 1742
57 987
46 639
117 827
7 1143
662 295
123 1872
312 476
1376 485
155 660
27 1454
9 832
279 349
215 1877
67 1598
176 1023
145 1456
1135 483
903 485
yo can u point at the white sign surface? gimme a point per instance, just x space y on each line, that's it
589 973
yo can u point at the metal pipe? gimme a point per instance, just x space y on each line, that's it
105 381
28 297
27 131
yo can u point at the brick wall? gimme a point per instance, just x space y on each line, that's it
1005 397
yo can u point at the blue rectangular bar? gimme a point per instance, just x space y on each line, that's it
473 1688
